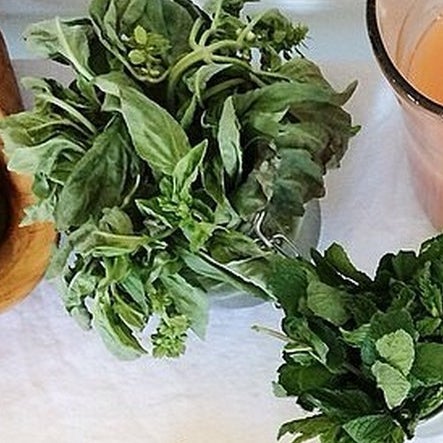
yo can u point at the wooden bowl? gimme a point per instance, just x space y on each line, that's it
24 251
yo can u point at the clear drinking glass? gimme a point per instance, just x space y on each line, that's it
395 28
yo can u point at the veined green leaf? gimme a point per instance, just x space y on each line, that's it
229 140
157 137
338 258
206 266
397 348
65 41
428 363
190 301
374 428
392 382
305 429
116 335
328 302
282 95
97 181
187 169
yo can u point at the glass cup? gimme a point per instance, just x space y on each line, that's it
395 27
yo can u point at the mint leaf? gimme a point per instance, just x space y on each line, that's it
398 350
342 404
374 429
300 331
430 293
428 365
297 379
328 303
392 382
288 282
338 258
306 428
385 323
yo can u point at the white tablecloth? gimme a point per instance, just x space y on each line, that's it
59 385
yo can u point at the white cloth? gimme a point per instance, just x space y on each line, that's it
59 385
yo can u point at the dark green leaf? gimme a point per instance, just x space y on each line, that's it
306 428
374 428
428 365
297 380
338 258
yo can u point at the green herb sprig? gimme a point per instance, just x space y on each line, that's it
155 161
363 355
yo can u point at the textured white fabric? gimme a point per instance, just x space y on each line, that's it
59 385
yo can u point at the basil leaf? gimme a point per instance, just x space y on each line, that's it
157 137
190 301
229 140
116 335
64 41
97 181
187 170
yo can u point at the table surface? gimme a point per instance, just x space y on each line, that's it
58 383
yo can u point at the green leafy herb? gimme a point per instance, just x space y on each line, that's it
369 377
156 160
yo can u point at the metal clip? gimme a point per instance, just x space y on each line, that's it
278 242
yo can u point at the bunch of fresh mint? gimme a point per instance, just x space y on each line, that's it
181 126
364 355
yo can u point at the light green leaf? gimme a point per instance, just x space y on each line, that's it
328 302
67 41
116 335
187 169
229 140
105 244
392 382
157 136
190 301
356 337
140 35
206 266
397 348
97 181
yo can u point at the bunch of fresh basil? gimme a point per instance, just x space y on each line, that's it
180 126
364 355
